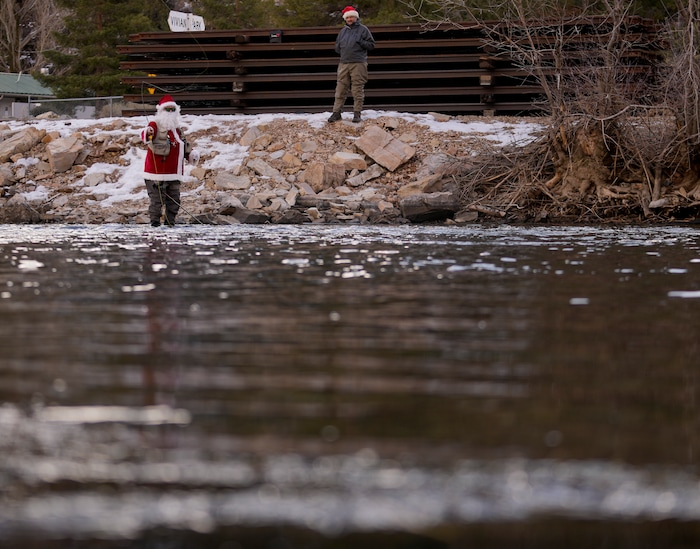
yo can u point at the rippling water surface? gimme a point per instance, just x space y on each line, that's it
320 386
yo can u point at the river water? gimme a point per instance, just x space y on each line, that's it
349 386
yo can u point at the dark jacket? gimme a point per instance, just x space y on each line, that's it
353 43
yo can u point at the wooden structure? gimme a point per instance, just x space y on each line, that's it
452 70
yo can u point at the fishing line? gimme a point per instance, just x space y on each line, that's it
179 204
155 86
195 76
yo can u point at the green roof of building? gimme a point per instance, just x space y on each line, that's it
12 83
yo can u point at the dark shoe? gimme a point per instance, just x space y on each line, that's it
155 223
357 118
334 117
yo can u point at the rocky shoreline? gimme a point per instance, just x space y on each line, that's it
388 169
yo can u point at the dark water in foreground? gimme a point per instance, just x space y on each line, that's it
318 386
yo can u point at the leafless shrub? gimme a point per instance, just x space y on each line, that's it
611 147
26 27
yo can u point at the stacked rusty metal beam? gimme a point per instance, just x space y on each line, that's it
454 69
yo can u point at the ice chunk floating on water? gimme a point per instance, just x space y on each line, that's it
685 294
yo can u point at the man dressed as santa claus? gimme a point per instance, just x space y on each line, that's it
165 161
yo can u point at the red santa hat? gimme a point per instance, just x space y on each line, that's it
166 101
349 11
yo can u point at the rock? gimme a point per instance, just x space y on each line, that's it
305 188
262 168
253 203
349 161
435 164
262 142
226 181
313 176
374 171
250 136
291 196
384 149
429 206
213 219
244 215
198 173
466 216
277 146
654 204
391 123
113 147
440 117
60 201
291 160
265 195
306 146
342 190
278 204
428 184
93 179
63 152
328 193
321 176
7 178
20 142
118 124
18 210
291 217
230 205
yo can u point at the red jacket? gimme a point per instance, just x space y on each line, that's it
165 168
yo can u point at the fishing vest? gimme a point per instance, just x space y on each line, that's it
160 144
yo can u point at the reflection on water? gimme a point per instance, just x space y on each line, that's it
347 381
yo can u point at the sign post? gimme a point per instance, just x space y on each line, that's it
185 22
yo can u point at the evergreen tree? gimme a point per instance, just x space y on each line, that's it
313 13
308 13
86 63
235 14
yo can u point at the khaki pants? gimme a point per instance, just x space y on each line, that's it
352 78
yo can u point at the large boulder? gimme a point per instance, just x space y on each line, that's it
245 215
18 210
429 206
263 169
429 184
321 176
20 142
63 152
384 149
228 181
349 161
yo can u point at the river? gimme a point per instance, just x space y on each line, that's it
349 386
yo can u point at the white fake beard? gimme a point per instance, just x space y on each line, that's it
167 120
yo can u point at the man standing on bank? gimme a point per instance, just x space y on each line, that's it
352 44
165 161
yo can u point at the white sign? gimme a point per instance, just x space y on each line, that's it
185 22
